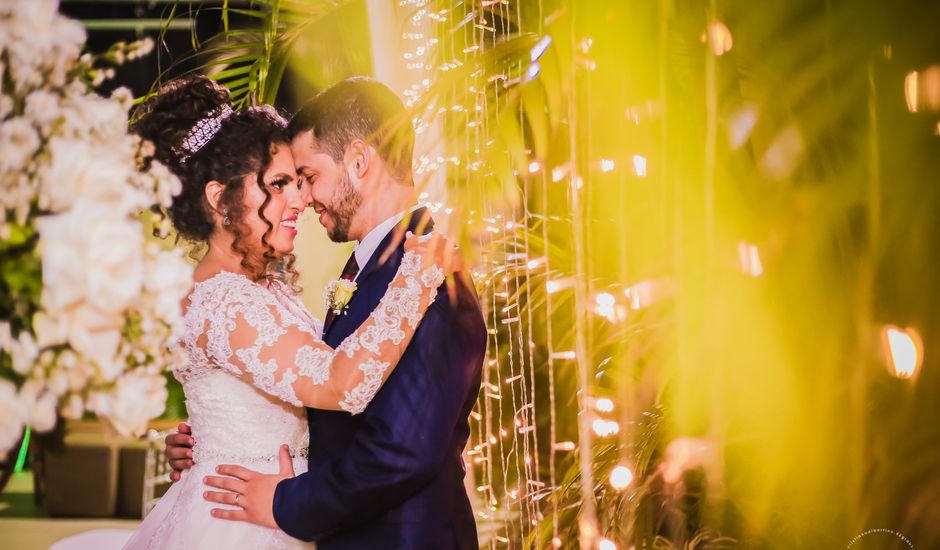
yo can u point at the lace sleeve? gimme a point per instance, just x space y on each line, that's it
253 333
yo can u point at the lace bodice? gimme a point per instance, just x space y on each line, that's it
235 422
242 337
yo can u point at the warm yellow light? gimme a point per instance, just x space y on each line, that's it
719 37
685 453
930 88
606 544
558 173
646 293
782 156
534 167
604 405
607 165
749 259
904 350
605 306
741 124
540 47
557 285
605 428
534 264
639 165
586 44
910 91
620 477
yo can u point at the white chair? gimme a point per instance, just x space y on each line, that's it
156 470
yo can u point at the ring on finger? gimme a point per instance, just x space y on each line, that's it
236 499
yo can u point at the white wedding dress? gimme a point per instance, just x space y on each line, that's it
255 359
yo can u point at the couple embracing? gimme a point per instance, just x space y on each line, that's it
347 433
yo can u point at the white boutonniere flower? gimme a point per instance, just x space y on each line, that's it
338 294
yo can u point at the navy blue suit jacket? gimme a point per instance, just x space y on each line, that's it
392 477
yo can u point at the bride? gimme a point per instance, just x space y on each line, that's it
255 357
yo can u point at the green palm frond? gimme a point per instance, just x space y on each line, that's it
251 60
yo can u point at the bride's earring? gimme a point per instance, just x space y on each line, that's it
225 219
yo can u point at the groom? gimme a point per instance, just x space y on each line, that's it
391 477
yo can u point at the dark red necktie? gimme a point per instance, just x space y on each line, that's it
349 273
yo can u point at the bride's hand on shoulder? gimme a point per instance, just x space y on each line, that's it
434 249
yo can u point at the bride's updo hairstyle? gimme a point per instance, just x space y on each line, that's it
240 144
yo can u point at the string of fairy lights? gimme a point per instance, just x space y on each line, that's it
507 470
504 449
501 455
509 480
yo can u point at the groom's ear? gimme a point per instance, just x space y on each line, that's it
359 158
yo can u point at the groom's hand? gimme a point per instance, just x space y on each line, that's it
251 491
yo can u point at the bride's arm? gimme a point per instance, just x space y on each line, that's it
286 360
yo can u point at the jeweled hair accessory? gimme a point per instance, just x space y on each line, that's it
203 132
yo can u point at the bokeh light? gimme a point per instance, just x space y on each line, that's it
620 477
904 350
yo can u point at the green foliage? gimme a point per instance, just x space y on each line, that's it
21 279
250 61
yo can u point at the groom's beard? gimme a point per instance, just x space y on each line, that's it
344 205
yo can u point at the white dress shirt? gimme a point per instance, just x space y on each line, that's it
366 247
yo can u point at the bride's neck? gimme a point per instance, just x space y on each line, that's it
220 257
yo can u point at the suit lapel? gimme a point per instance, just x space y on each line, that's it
420 222
388 253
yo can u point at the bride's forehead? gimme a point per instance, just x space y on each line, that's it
282 160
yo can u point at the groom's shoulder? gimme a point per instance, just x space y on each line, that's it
459 303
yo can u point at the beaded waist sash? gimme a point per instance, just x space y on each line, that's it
212 456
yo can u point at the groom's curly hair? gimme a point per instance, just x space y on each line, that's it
242 148
359 108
